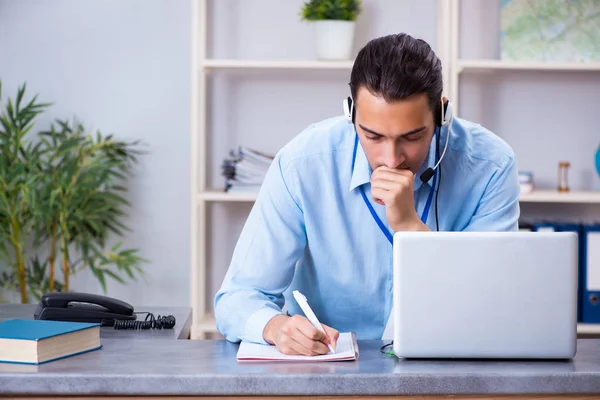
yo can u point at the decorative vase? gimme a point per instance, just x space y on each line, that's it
334 39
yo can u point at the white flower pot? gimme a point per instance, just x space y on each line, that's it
334 39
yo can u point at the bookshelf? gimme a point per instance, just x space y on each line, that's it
236 64
204 196
466 66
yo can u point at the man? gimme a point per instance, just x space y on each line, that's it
334 196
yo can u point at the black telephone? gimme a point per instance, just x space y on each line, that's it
86 307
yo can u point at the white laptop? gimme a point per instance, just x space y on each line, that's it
485 295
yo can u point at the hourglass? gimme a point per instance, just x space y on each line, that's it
563 176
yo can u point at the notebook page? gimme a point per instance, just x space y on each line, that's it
255 352
344 345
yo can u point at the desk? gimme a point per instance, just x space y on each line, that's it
128 366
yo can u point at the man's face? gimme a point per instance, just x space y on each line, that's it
395 135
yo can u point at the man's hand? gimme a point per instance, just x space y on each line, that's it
394 188
296 335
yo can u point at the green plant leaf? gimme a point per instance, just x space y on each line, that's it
343 10
68 177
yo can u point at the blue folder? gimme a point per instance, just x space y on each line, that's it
590 283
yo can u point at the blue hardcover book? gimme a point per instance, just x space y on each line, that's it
39 341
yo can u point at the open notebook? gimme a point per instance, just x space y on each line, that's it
346 349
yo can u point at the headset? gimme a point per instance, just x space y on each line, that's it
443 118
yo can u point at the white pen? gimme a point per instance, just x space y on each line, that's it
301 299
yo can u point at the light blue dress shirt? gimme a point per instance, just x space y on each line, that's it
311 230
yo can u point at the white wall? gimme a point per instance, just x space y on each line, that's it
121 67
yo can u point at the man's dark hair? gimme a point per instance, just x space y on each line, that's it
397 67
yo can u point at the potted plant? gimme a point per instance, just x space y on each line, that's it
334 22
61 202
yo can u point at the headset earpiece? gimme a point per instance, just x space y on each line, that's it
444 116
349 109
448 114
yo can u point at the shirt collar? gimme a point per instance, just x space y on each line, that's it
361 173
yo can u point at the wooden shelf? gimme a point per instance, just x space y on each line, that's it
463 65
538 196
483 65
217 195
588 329
553 196
207 326
277 64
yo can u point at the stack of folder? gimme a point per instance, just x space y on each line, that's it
588 310
245 170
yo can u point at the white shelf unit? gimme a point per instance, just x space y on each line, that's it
202 195
448 47
458 66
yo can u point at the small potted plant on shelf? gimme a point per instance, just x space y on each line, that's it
334 22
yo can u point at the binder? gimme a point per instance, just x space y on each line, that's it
590 290
577 228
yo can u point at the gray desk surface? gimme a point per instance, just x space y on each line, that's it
128 366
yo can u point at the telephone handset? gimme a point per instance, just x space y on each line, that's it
87 307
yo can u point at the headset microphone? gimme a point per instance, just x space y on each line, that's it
427 175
